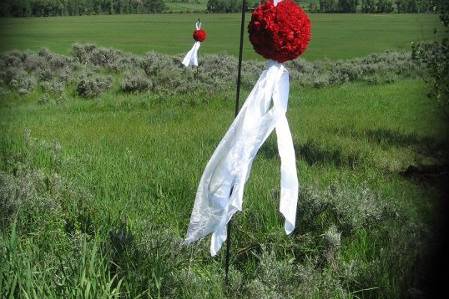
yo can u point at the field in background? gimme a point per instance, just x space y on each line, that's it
96 191
141 159
335 36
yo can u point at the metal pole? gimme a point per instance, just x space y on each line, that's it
242 28
237 107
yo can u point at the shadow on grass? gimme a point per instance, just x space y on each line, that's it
396 138
316 153
319 152
269 150
389 137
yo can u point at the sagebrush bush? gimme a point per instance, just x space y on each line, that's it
155 63
108 58
47 229
10 199
348 208
33 196
54 87
135 82
90 86
347 236
19 80
168 76
13 59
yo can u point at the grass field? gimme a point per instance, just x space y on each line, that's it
96 192
335 36
140 160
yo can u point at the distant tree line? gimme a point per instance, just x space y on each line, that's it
344 6
227 6
44 8
376 6
39 8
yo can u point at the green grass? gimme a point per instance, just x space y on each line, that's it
335 36
141 159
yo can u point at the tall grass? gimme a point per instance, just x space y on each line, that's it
96 195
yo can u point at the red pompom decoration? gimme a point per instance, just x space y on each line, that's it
279 32
199 35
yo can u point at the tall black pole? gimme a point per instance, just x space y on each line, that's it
242 29
237 107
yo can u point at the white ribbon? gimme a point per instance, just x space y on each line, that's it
191 57
220 191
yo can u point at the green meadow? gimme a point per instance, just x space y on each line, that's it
335 36
101 154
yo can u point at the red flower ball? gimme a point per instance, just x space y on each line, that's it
199 35
279 32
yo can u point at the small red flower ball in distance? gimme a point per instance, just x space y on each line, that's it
199 35
279 32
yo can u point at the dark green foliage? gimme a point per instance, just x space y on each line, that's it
434 58
344 6
443 9
347 6
368 6
226 6
377 6
384 6
415 6
46 8
328 5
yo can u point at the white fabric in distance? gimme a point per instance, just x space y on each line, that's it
191 57
220 192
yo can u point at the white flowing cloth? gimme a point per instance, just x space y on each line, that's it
191 57
221 188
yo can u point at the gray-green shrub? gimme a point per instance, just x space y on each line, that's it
22 70
135 82
90 86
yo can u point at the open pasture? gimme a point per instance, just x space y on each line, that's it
101 154
335 36
122 172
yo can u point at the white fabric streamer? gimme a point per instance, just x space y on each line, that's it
191 57
220 192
